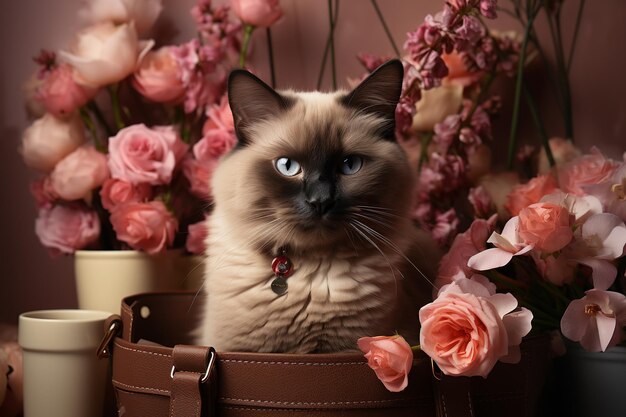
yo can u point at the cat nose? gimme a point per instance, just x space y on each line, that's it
320 206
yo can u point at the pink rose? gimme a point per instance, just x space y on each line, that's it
469 328
563 151
49 139
587 170
261 13
219 116
145 226
214 144
390 357
60 94
138 154
43 193
546 226
115 192
65 229
159 77
524 195
596 320
199 174
80 172
196 240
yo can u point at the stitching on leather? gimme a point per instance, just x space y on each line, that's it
317 403
136 387
293 363
142 351
443 404
172 401
469 403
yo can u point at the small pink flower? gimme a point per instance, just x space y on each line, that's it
214 144
481 202
65 229
261 13
76 175
199 174
43 193
159 77
596 320
196 240
60 94
546 226
390 357
507 245
446 225
524 195
115 192
587 170
488 8
145 226
469 328
138 154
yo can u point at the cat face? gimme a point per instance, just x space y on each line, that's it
315 170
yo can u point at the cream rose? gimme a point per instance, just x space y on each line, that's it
143 12
105 54
159 77
435 105
76 175
49 139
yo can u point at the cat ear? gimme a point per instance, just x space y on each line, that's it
379 94
252 101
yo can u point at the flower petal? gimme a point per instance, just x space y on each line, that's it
606 329
489 259
603 272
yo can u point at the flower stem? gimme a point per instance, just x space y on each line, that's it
416 348
332 43
387 32
247 35
91 126
518 91
100 117
270 52
326 49
115 106
539 125
579 14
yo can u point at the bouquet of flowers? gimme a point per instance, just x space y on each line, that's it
558 262
127 134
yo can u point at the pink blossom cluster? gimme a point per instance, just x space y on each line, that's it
143 180
566 223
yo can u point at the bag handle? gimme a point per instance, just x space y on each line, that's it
112 328
193 367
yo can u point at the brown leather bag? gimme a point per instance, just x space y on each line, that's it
181 380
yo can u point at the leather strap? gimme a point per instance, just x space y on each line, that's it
453 397
192 367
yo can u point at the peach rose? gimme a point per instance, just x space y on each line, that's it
546 226
524 195
261 13
143 12
60 94
196 239
390 357
219 116
80 172
145 226
65 229
563 151
159 77
105 53
49 139
469 328
587 170
214 144
138 154
115 192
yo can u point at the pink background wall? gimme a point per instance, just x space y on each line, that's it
30 279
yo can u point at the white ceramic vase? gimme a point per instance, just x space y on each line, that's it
104 278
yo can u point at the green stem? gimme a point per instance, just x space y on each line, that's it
326 49
579 14
100 117
518 91
416 348
115 106
332 43
270 52
541 131
91 126
387 32
247 35
555 33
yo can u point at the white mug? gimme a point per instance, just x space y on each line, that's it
62 375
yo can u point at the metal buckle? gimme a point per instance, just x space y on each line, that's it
103 350
209 367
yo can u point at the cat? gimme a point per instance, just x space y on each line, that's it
318 178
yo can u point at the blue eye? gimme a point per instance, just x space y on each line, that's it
287 167
351 164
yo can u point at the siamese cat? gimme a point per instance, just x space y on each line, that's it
310 244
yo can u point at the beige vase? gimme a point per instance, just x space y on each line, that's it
104 278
